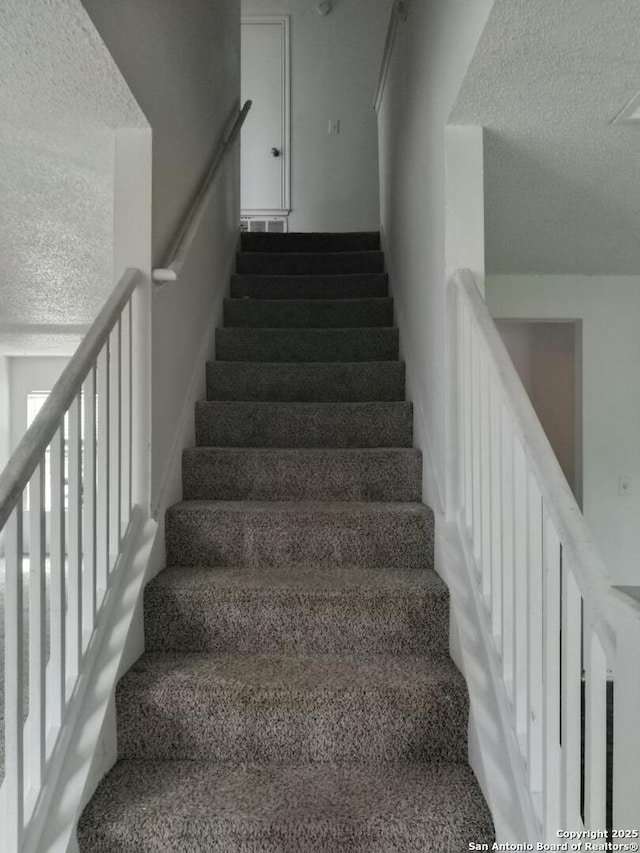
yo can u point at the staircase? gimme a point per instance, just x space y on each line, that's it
296 693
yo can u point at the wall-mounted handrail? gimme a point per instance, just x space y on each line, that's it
28 453
188 230
399 13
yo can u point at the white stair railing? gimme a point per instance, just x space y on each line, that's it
556 628
77 462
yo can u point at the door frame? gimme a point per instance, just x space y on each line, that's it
283 21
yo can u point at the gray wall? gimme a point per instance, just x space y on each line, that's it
432 52
182 62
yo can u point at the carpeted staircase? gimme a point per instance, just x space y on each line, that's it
296 693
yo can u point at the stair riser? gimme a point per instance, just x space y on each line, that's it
353 286
364 241
240 723
228 475
294 622
155 807
322 383
308 314
210 537
307 345
304 425
343 263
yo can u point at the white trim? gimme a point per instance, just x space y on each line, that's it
399 13
285 187
254 213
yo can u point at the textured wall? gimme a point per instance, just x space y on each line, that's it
334 68
60 99
561 180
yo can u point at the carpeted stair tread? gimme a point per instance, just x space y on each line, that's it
309 263
321 382
376 343
347 286
286 474
272 533
305 579
188 806
293 709
274 424
296 692
311 241
308 313
297 609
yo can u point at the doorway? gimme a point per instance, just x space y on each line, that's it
265 150
548 358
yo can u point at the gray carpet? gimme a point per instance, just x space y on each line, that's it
296 693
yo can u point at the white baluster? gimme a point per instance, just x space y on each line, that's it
534 639
508 555
495 409
475 448
57 655
595 739
127 409
551 680
37 629
467 418
102 517
626 707
115 411
520 589
485 477
89 507
571 676
13 681
74 602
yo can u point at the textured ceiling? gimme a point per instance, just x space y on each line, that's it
562 191
61 99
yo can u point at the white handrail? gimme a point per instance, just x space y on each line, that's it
188 230
399 13
555 625
593 575
27 455
76 461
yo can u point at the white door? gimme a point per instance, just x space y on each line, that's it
265 135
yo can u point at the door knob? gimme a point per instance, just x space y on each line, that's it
275 152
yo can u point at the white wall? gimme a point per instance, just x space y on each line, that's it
182 62
547 358
25 375
609 308
334 67
432 52
5 435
